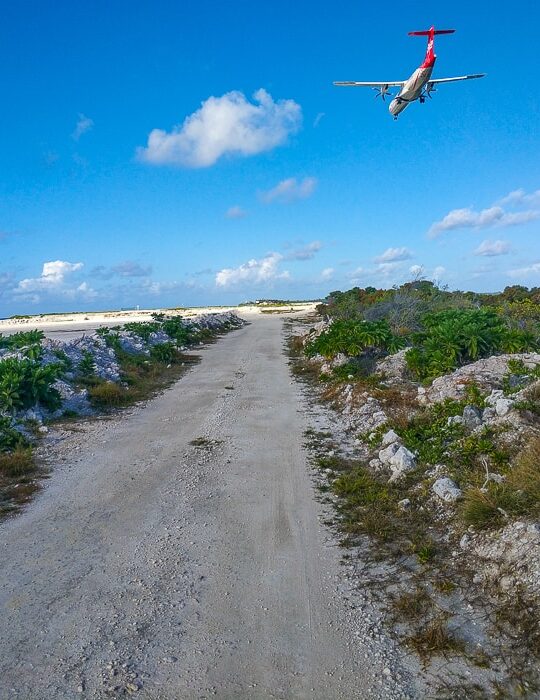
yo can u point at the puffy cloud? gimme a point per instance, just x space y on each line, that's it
438 272
52 277
226 125
235 212
83 125
533 269
416 270
492 248
394 255
386 268
327 273
493 216
290 190
254 271
53 282
306 252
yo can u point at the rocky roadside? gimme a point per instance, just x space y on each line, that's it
401 464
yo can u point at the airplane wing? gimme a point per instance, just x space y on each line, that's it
354 83
436 81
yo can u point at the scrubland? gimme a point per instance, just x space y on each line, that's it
432 464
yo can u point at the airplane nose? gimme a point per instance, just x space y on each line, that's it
392 107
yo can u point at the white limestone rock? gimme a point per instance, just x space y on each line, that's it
446 490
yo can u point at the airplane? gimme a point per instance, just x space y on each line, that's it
419 85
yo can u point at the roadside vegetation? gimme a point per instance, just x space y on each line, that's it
435 474
43 381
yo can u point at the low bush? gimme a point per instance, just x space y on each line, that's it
353 337
458 336
10 438
108 394
87 366
17 463
25 383
22 339
164 352
143 329
525 477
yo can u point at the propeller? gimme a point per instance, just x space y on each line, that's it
382 92
428 90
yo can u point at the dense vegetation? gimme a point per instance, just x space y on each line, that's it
443 329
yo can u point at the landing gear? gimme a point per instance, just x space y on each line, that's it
422 99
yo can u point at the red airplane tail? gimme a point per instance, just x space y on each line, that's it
429 60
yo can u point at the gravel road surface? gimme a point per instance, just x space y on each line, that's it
157 568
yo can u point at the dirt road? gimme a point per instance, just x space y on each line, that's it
159 568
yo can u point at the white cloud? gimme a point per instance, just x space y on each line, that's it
84 124
492 248
526 271
306 252
318 118
438 272
493 216
235 212
393 255
327 273
386 268
226 125
54 281
254 271
290 190
52 277
520 197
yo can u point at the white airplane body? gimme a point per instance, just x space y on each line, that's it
419 85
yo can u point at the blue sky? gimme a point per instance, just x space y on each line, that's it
278 184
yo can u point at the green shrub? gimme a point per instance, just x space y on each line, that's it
24 383
176 329
457 336
10 438
164 352
143 329
87 366
352 337
22 339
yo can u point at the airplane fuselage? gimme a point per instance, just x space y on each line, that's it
420 85
412 90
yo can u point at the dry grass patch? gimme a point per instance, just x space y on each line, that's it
18 482
435 639
18 463
525 476
412 605
109 395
